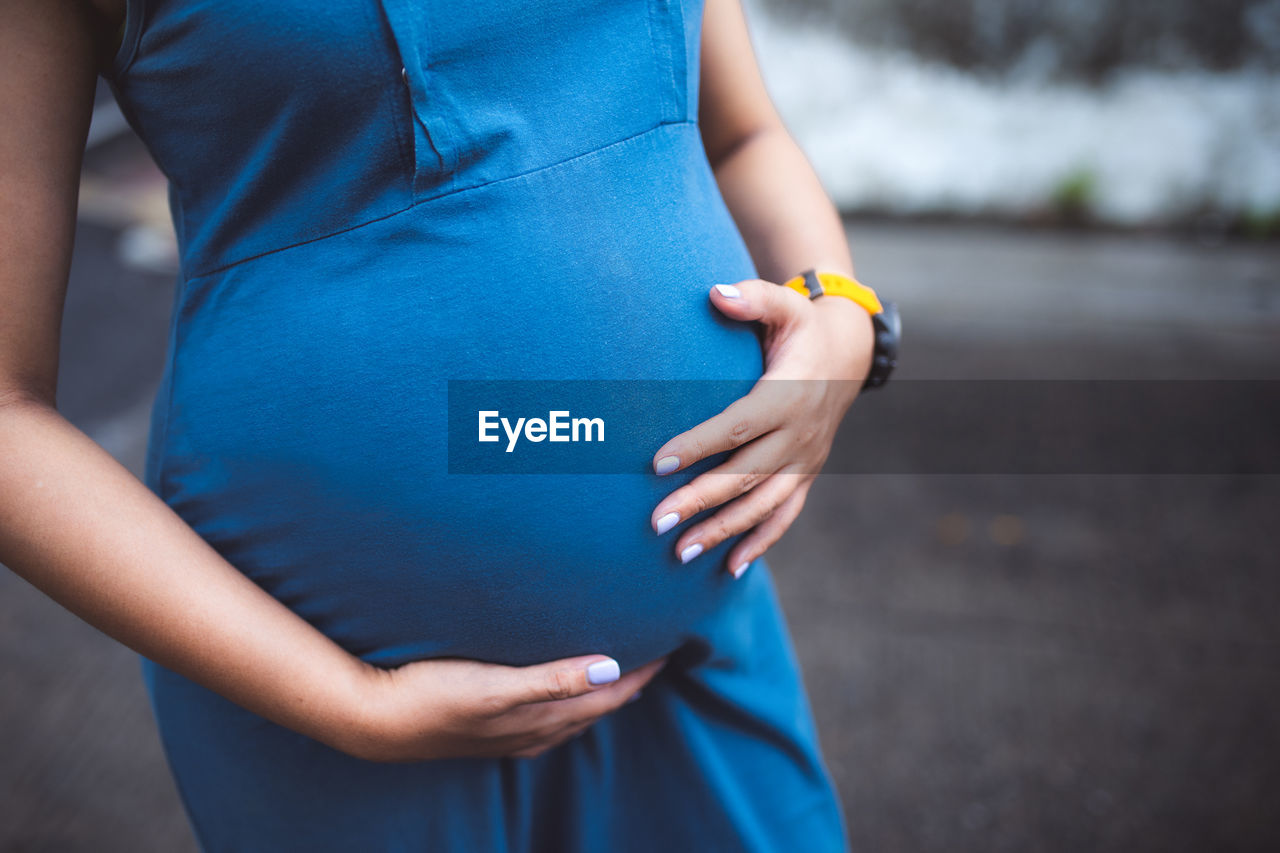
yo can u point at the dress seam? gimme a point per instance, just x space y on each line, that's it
450 192
394 97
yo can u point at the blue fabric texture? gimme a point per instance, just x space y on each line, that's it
373 198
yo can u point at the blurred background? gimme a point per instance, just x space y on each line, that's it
1050 190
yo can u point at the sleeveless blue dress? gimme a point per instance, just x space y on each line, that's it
374 198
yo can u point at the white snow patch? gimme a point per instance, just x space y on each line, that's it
889 131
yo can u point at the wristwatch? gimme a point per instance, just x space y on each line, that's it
884 316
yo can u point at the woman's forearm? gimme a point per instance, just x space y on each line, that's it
785 216
74 522
81 528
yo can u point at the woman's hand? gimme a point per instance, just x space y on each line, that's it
454 707
817 354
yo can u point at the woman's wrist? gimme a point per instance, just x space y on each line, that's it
852 333
363 729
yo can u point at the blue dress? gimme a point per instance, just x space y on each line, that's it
375 198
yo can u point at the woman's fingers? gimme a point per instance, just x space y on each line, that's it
558 721
760 411
568 685
582 712
767 532
769 403
739 474
561 679
567 734
607 700
763 301
739 516
456 707
535 751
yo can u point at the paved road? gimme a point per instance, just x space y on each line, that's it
1010 662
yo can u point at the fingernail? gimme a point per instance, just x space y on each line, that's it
667 464
634 697
728 290
692 551
603 672
738 570
667 522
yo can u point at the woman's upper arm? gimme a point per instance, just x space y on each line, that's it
48 75
733 103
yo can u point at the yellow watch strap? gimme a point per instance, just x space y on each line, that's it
838 285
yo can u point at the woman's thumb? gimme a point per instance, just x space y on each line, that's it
564 679
755 299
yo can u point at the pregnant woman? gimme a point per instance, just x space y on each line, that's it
349 645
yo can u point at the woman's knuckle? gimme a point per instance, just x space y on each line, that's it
777 499
774 534
740 430
716 531
785 394
559 685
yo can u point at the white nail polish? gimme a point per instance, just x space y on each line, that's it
728 290
692 551
603 672
742 567
667 464
667 522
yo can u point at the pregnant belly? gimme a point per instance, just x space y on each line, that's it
304 429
